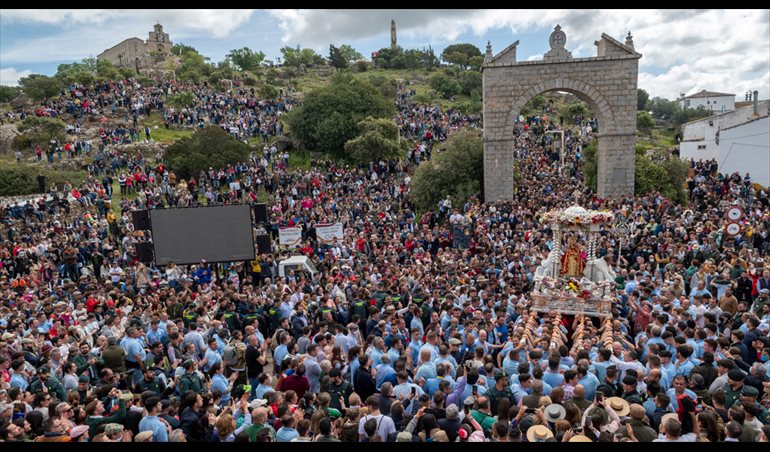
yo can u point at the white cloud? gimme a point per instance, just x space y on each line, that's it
720 50
10 76
218 23
683 50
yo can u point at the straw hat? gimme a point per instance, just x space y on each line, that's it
538 433
620 406
580 439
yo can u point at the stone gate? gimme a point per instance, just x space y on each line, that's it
606 82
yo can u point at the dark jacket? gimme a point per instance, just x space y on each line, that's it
189 422
114 358
118 418
643 432
709 373
364 383
450 427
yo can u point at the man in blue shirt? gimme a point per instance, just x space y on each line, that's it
203 274
156 334
286 433
683 364
212 356
159 427
679 389
135 353
553 376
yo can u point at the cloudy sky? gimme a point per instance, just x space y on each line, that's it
684 50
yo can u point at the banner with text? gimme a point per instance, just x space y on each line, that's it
328 233
289 237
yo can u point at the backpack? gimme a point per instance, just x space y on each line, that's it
229 355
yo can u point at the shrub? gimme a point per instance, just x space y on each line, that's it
208 147
457 171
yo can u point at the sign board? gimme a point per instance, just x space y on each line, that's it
733 228
593 307
328 233
734 213
622 229
290 237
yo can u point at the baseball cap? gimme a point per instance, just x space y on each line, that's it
111 429
750 391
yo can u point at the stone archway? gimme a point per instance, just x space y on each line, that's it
606 82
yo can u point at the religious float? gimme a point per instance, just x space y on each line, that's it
572 279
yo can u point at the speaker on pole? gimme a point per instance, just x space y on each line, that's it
144 253
260 213
263 244
141 220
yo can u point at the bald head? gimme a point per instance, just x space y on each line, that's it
259 415
579 391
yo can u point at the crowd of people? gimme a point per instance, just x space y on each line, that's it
399 336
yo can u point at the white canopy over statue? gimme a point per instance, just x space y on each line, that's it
573 280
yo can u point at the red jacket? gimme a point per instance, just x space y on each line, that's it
300 385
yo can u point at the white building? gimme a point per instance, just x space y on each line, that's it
739 141
716 102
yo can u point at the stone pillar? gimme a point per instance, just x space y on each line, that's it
498 170
616 159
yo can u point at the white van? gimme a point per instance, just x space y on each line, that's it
301 263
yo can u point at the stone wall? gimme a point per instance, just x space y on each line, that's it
607 84
125 53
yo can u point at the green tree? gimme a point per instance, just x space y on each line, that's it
127 72
660 174
577 109
183 100
106 70
666 177
428 59
268 92
445 86
329 116
299 56
682 116
194 67
386 56
642 98
470 81
336 58
644 122
458 171
180 49
663 108
590 164
476 62
460 54
40 87
208 147
350 54
377 140
75 72
41 129
9 93
246 59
